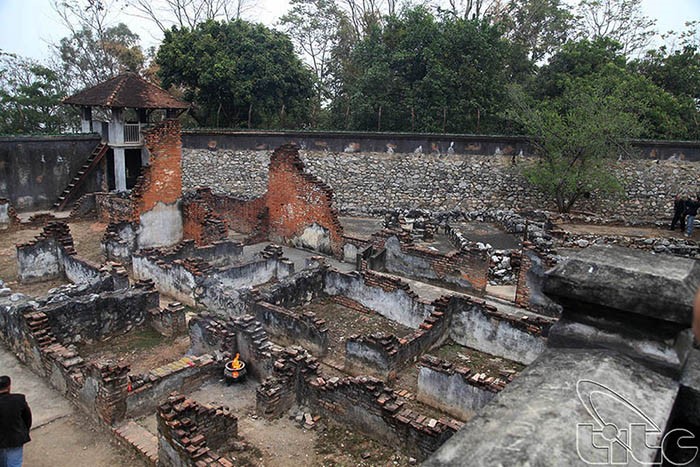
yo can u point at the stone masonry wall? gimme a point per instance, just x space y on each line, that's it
364 182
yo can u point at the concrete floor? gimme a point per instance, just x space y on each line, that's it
61 436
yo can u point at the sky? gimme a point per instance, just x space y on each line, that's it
29 27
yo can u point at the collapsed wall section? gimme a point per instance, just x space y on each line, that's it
297 208
51 255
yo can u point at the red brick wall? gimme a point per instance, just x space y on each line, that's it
161 181
294 200
201 224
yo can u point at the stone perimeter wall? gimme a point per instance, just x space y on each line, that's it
366 182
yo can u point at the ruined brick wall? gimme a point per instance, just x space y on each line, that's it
40 259
189 433
290 328
241 215
201 224
456 389
463 269
91 317
296 199
113 207
385 355
388 296
307 284
297 207
161 180
187 374
518 338
364 403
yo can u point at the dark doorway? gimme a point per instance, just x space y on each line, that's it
133 166
110 170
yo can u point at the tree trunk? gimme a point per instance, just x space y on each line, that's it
250 114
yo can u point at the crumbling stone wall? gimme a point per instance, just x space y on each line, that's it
368 182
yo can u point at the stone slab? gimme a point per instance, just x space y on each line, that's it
689 399
667 356
633 281
540 419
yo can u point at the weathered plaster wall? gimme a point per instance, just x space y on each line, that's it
34 170
473 325
390 298
161 226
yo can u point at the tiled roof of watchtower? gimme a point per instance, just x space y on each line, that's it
126 90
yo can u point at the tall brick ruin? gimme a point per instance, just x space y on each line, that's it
297 208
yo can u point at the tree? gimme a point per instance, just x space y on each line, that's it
537 27
313 26
662 114
30 98
476 9
577 59
236 73
96 49
188 13
576 135
421 73
619 20
87 59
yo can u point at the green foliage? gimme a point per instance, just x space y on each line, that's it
422 73
30 98
538 27
89 56
236 72
576 135
661 114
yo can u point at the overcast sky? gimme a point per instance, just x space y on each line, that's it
28 27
